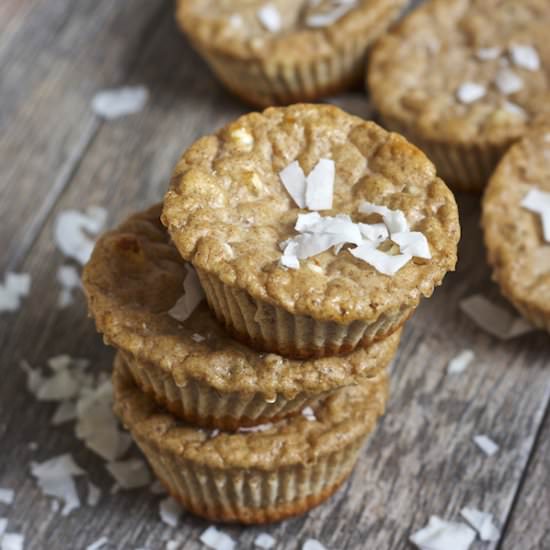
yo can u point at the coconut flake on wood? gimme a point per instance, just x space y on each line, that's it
313 544
486 444
12 541
217 540
15 287
7 496
461 362
525 56
94 495
539 202
170 511
130 474
55 478
98 544
320 185
270 17
508 82
72 228
65 412
443 535
3 526
193 295
470 92
68 278
119 102
264 541
384 263
482 522
494 319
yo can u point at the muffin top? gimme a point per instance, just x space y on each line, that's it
336 422
285 30
516 221
230 212
475 71
133 280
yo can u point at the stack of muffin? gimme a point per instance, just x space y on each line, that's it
252 405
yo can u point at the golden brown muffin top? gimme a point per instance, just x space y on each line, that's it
228 211
133 279
514 235
474 71
340 420
281 30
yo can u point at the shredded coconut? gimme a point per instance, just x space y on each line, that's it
99 543
461 362
482 522
71 229
258 428
443 535
413 243
514 109
394 219
264 541
170 511
15 287
65 412
270 17
469 92
12 541
508 82
3 526
309 414
494 319
486 444
217 540
294 181
539 202
116 103
320 185
488 54
130 474
387 264
68 279
94 495
193 294
312 544
7 496
525 56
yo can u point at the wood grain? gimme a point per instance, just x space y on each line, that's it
420 461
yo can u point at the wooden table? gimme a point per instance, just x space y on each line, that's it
56 154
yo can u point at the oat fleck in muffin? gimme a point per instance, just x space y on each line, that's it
259 475
516 222
463 79
312 231
188 363
272 52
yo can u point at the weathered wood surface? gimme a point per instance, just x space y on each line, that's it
54 154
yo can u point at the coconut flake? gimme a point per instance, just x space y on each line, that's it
443 535
270 17
68 278
294 181
375 232
193 295
494 319
381 261
525 56
488 54
482 522
170 511
514 109
218 540
539 202
3 526
255 429
461 362
320 185
339 8
12 541
413 243
289 258
470 92
70 231
309 414
55 478
7 496
15 287
130 474
264 541
486 444
65 412
99 543
395 220
172 545
196 337
508 82
119 102
312 544
59 387
94 495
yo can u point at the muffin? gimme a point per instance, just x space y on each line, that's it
516 223
268 474
272 247
134 278
283 51
463 80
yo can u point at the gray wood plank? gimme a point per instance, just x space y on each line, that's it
529 525
55 55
